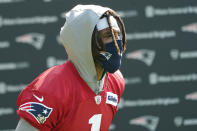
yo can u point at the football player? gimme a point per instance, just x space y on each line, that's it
83 93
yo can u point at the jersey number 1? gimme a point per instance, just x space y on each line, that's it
95 120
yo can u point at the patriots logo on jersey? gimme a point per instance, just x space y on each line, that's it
39 111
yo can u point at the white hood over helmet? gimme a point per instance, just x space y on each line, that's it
76 35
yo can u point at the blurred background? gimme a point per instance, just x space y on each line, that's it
159 66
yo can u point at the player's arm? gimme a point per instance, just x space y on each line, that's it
25 126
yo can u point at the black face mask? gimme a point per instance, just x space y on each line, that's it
112 60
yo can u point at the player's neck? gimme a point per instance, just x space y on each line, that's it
99 71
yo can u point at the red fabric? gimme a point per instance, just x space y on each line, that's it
72 101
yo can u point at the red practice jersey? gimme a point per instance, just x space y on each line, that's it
60 100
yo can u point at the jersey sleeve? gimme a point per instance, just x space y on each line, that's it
39 109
